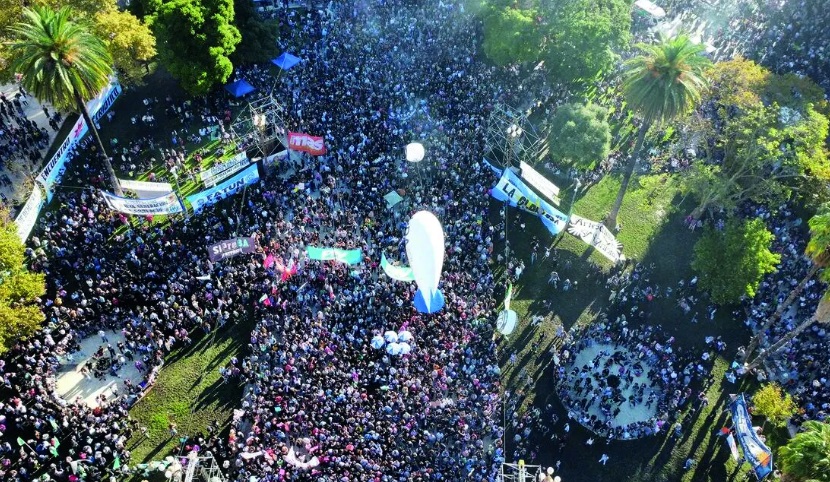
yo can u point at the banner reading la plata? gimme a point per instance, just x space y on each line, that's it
513 190
167 204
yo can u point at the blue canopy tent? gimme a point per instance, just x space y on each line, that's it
286 61
239 88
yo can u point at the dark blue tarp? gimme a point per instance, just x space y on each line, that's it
286 61
239 88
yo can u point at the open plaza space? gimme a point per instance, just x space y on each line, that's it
415 240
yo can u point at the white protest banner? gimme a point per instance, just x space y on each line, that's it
167 204
219 172
540 182
27 217
144 189
597 235
225 189
56 166
273 158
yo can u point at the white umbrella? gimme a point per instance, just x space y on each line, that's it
390 337
377 342
405 336
405 348
393 348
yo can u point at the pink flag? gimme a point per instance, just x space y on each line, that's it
269 260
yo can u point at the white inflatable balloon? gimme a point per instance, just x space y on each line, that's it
425 250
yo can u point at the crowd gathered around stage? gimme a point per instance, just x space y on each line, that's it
314 387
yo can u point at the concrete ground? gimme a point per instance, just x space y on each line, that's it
14 190
72 384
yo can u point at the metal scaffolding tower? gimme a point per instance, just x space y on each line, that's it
510 137
261 126
521 473
203 469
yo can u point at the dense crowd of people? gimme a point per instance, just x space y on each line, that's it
319 402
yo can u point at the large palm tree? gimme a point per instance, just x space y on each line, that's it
664 82
62 63
807 456
818 250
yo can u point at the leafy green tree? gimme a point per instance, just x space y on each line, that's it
731 263
259 36
195 39
772 402
63 63
664 83
765 159
582 37
20 315
512 35
581 134
130 43
818 250
806 457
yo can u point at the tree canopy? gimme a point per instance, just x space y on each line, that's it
581 134
20 314
576 39
806 457
774 403
259 37
732 262
195 38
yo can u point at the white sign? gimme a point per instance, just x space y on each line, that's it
28 215
146 190
219 172
540 182
597 235
167 204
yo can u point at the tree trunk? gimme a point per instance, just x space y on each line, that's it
777 346
611 220
113 180
759 336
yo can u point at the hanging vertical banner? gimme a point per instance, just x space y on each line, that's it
27 217
167 204
225 189
514 191
508 296
313 145
597 235
755 451
56 166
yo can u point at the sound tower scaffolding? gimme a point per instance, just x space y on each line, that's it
502 145
261 126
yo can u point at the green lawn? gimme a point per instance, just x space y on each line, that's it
652 232
189 391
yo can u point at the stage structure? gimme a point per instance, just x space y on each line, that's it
511 138
261 126
203 469
521 473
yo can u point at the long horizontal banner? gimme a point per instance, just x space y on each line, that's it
27 217
219 172
540 182
225 189
348 256
166 204
597 235
144 189
56 166
231 247
400 273
513 190
313 145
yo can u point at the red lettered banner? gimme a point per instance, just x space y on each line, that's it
313 145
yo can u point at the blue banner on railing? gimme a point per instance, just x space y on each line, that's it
224 189
755 451
513 190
